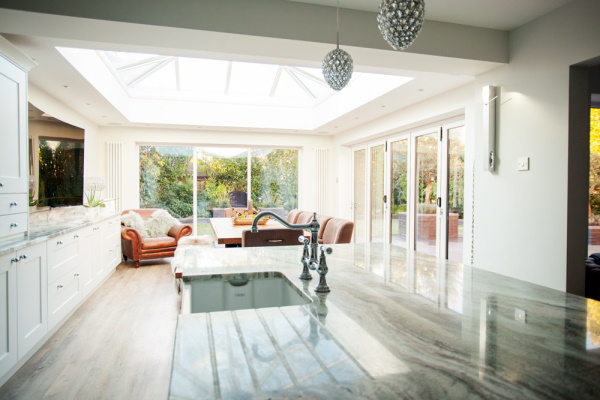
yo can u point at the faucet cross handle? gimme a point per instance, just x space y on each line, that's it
322 287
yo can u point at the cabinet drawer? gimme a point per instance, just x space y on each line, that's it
13 203
63 255
63 296
13 224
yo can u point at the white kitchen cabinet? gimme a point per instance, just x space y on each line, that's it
8 312
63 254
86 247
111 233
64 266
64 295
14 170
32 303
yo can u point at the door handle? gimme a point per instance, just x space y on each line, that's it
439 201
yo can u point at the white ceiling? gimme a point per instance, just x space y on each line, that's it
55 76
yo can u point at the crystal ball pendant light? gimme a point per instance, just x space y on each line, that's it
400 21
338 64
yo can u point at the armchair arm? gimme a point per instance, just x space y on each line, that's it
180 230
131 234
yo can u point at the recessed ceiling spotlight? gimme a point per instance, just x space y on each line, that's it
66 86
88 104
383 106
103 116
420 90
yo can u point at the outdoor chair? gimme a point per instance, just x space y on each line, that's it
238 199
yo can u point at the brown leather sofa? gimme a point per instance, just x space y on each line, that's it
136 248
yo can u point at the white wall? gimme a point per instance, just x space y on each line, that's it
520 217
132 137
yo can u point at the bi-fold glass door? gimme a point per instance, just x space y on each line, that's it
409 191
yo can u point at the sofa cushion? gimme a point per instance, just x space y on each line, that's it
135 221
161 242
159 223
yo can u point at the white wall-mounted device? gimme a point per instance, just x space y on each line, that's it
489 97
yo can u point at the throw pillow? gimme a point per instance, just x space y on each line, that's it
135 221
159 223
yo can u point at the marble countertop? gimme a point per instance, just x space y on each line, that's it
396 324
40 232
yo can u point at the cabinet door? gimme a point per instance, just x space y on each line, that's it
63 255
112 244
8 313
97 252
14 171
86 261
32 297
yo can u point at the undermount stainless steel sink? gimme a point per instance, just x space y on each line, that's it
240 291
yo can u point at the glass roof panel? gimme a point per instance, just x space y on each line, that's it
232 93
202 75
252 78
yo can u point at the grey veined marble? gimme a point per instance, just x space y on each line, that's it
396 325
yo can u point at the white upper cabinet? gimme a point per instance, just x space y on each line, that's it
14 171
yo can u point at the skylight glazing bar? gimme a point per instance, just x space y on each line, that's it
142 63
228 78
309 76
149 72
276 81
300 83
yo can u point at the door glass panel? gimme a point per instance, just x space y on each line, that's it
221 172
274 179
594 198
427 171
399 200
456 192
377 192
359 196
166 180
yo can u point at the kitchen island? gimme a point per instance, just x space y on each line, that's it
396 324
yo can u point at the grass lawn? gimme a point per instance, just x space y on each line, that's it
205 229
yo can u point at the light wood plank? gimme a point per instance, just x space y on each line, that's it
117 345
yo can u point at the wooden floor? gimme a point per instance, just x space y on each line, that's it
118 344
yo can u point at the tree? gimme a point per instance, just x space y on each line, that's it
594 198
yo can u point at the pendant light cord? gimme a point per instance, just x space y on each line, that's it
337 16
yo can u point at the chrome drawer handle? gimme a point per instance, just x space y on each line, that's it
13 225
76 236
59 242
23 257
1 184
76 275
59 286
13 260
12 203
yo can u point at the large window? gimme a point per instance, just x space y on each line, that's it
267 176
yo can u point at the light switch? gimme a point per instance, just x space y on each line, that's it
523 164
520 315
